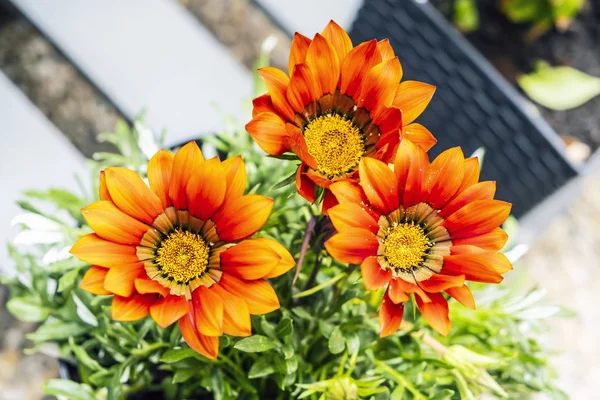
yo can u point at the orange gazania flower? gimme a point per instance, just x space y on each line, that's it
341 104
423 228
178 250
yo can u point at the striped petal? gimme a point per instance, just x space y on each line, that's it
144 285
380 184
397 291
386 51
120 280
352 246
256 259
208 346
373 276
208 311
112 224
168 310
206 189
160 168
463 295
436 313
277 83
479 191
236 315
323 61
262 104
258 294
411 167
412 98
185 164
390 316
379 85
93 281
471 175
475 267
352 215
438 282
95 250
235 174
269 132
444 177
493 240
338 38
298 51
304 185
419 135
129 192
244 218
303 88
355 66
131 308
477 218
103 192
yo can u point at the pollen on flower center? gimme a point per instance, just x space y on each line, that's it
405 247
335 143
182 256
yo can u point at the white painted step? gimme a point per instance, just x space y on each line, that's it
148 53
35 155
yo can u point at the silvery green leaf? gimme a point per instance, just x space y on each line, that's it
35 222
68 389
337 343
30 237
255 344
84 313
27 309
539 312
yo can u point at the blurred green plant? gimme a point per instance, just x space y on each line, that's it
559 88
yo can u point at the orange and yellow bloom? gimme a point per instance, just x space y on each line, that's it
340 104
421 228
178 249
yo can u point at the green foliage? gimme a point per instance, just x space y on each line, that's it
559 88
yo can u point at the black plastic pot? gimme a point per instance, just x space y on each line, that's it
473 106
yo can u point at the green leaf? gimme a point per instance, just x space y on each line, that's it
57 330
174 355
67 280
445 394
287 181
337 343
559 88
255 344
320 287
285 327
263 366
83 357
84 313
68 389
183 375
27 309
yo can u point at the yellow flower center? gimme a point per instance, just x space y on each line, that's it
182 256
405 247
335 143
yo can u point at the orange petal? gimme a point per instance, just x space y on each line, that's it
298 145
438 282
396 291
477 218
497 260
411 166
258 294
235 174
168 310
444 177
479 191
262 104
112 224
298 51
351 215
409 287
303 88
412 98
120 279
380 184
493 240
323 61
132 308
386 51
129 192
145 285
93 281
471 176
355 66
268 130
206 189
236 315
390 316
94 250
208 346
463 295
475 267
208 311
160 168
352 246
419 135
256 258
244 218
102 188
373 276
351 192
277 83
304 185
436 313
379 86
185 164
338 38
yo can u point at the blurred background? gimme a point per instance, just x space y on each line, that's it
518 78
